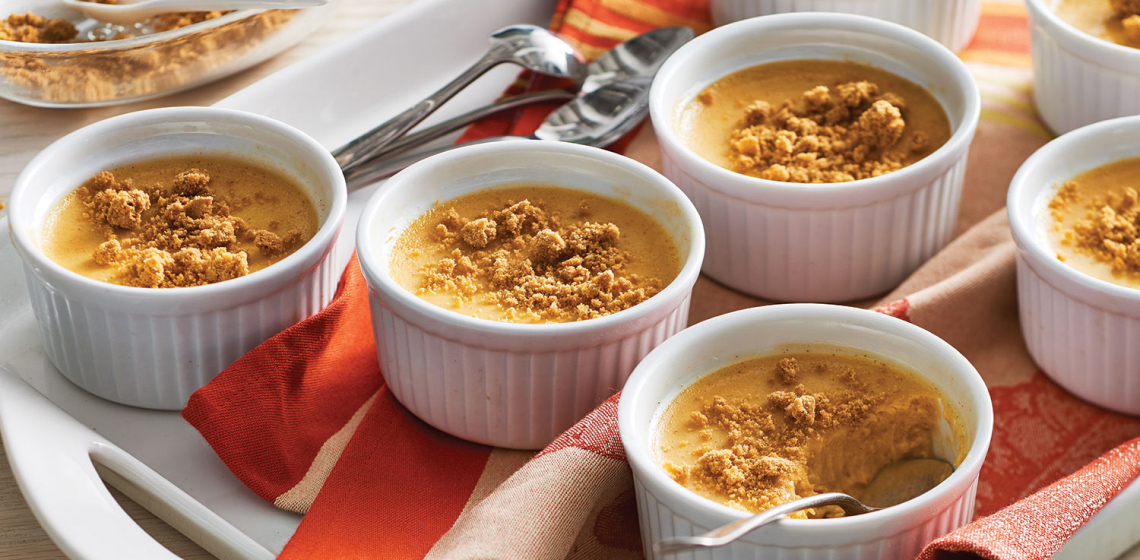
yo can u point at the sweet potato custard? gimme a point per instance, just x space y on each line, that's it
1117 21
814 121
1094 223
535 254
763 432
179 222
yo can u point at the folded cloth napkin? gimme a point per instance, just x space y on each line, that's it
306 421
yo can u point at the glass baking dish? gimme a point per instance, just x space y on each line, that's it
107 72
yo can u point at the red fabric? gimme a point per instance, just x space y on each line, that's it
1004 33
1041 434
1036 527
397 488
400 485
597 432
269 412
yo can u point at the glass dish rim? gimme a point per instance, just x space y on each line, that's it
95 47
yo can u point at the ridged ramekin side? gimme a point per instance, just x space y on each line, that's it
145 358
1089 351
659 521
950 22
1071 90
822 255
506 394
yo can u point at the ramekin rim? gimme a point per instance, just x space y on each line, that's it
742 186
682 283
647 471
1021 218
293 264
1122 55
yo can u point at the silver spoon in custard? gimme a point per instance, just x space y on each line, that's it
894 484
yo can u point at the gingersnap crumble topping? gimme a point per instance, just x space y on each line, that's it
828 135
110 73
528 260
1110 232
33 28
1129 13
773 447
170 237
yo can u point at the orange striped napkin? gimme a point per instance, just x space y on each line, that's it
306 421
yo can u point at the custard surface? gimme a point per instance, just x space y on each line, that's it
707 123
765 431
541 254
263 198
1093 223
1096 18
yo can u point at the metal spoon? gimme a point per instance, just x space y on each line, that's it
597 118
130 11
642 55
894 484
529 46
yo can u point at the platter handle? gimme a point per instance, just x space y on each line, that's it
64 486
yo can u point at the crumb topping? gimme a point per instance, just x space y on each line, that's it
1125 7
526 259
33 28
1129 13
162 65
184 235
1109 232
828 135
773 440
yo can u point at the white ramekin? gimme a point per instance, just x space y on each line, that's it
154 347
1084 332
506 384
950 22
667 509
1079 79
829 242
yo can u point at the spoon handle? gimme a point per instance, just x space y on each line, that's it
726 534
426 135
371 171
368 145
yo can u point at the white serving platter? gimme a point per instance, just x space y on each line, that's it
62 441
59 439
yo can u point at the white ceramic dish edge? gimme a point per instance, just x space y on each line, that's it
508 384
1079 329
153 348
950 22
668 509
822 243
1079 79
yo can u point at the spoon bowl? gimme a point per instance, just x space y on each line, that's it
904 480
538 50
895 483
639 57
529 46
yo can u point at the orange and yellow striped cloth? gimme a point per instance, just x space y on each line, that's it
306 421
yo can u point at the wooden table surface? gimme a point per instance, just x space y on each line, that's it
24 131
